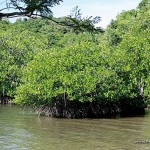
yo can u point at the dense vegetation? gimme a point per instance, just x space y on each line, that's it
65 73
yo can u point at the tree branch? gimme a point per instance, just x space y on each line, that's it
2 15
7 8
73 23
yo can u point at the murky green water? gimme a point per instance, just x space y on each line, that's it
23 130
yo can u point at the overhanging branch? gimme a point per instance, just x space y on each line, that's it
77 25
3 15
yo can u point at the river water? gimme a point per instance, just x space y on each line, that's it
21 129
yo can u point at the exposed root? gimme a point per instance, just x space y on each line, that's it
76 109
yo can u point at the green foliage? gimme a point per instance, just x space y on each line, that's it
16 50
143 4
62 71
46 62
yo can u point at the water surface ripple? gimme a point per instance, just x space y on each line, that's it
21 129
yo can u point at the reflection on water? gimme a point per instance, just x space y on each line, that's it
23 130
